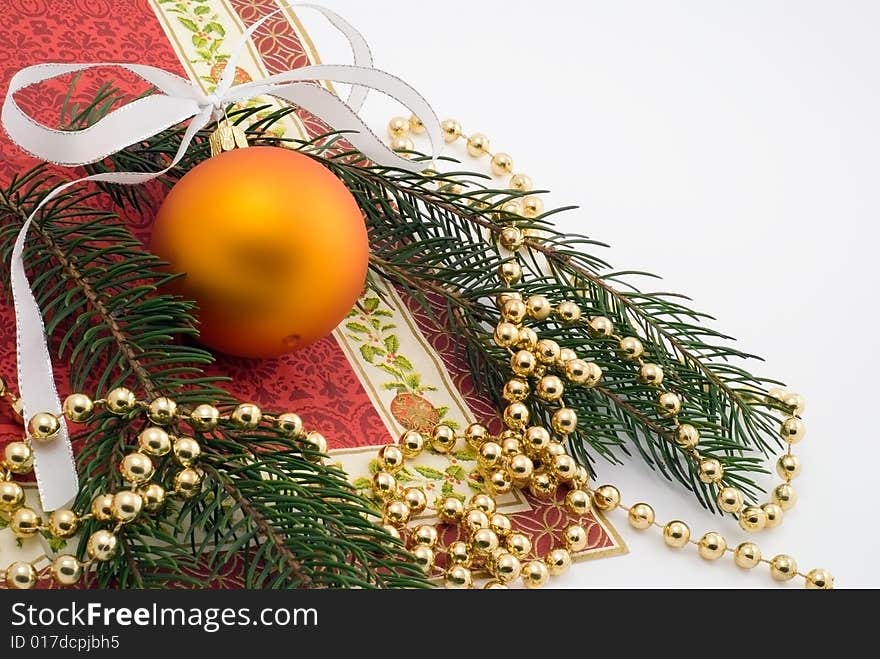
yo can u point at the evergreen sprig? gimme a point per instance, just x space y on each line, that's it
267 500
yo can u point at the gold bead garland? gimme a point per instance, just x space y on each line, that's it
534 358
154 443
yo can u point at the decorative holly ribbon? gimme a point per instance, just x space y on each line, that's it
177 101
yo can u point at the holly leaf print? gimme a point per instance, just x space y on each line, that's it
429 472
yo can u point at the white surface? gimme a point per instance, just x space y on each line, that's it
732 148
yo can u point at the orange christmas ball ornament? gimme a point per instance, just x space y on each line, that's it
272 247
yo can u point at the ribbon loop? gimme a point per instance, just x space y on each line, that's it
177 100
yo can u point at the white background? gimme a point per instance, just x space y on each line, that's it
731 147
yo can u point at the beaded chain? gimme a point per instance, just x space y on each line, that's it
542 361
155 443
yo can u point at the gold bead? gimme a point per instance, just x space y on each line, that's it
774 514
538 307
484 541
126 506
102 545
289 424
752 519
18 458
784 496
162 411
521 468
528 339
712 546
515 390
501 524
506 335
730 499
507 567
783 567
532 206
416 125
205 418
443 439
711 471
565 355
606 498
451 130
489 455
578 502
510 272
154 441
819 579
536 439
384 485
510 444
547 351
558 561
601 326
63 523
482 502
523 363
651 374
78 408
669 403
581 477
398 127
520 183
102 507
511 238
514 311
396 512
458 553
631 347
564 421
44 427
582 372
641 516
478 145
476 434
500 482
153 496
403 146
563 467
412 443
66 570
552 450
424 557
687 436
136 468
747 555
788 466
186 450
390 458
392 531
450 510
534 574
246 416
188 482
120 401
575 537
502 164
459 577
475 519
11 496
25 522
415 499
542 484
519 544
425 535
676 534
516 416
795 402
508 208
792 430
316 444
21 576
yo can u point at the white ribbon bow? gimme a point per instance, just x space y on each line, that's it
178 100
